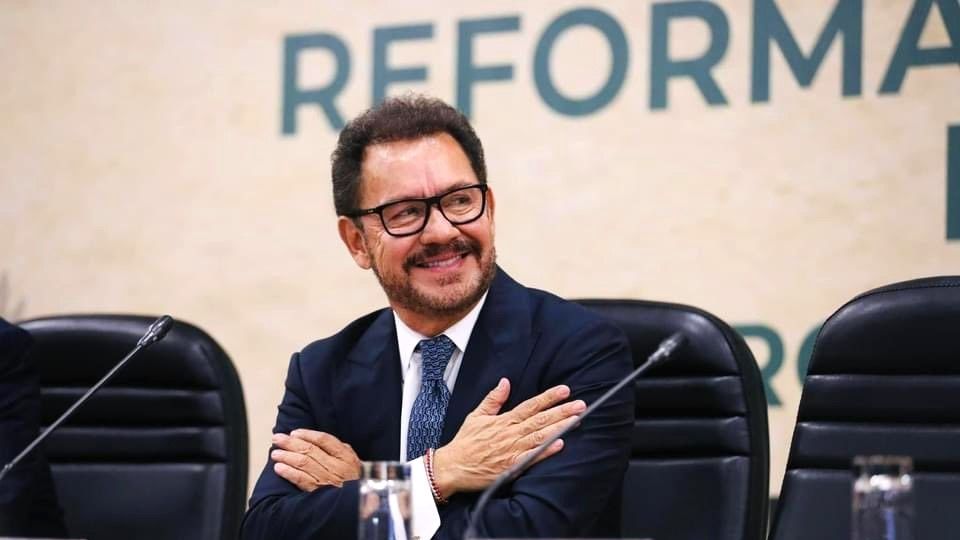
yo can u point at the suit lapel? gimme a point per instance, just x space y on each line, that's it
499 346
372 379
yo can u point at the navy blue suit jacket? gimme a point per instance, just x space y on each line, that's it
28 503
350 386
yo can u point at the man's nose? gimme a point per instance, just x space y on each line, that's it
438 229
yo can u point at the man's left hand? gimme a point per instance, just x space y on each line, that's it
309 459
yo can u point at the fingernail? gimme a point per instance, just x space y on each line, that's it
275 454
559 444
277 437
502 384
576 406
563 391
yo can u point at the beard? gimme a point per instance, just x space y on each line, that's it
459 293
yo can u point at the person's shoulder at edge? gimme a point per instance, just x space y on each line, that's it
14 342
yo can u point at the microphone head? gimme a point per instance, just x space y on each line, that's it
157 330
667 347
671 343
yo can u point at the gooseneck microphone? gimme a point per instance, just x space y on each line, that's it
659 356
154 333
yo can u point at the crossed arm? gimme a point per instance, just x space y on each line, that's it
325 469
312 490
486 445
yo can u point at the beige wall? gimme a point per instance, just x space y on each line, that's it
143 169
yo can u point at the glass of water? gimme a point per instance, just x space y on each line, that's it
882 498
384 501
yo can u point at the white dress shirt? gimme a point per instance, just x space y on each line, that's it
425 519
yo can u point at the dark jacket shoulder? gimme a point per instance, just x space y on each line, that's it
340 345
560 318
14 342
28 501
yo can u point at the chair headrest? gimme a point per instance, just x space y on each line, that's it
912 327
78 349
710 346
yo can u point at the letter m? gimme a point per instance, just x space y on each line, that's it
769 26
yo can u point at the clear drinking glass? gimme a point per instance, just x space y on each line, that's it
882 498
384 501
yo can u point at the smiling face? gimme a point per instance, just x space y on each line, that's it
434 277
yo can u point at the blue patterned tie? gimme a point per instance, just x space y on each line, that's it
426 416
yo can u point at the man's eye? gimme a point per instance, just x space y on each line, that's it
405 212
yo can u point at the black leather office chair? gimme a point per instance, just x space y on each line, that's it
884 378
158 453
699 467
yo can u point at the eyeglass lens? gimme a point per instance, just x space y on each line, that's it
459 206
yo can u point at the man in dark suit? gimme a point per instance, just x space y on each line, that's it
465 373
28 503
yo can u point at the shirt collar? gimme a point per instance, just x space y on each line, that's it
459 333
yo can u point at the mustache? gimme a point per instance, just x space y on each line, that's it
458 246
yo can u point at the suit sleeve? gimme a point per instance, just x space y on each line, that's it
28 501
278 509
563 495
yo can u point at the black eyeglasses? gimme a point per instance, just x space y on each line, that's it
409 216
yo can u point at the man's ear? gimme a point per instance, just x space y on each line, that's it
490 202
352 236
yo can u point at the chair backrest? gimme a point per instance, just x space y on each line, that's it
884 378
160 452
699 466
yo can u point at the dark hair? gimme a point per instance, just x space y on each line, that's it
396 119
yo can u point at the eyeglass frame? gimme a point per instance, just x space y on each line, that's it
430 203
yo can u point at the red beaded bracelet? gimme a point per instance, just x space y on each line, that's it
431 479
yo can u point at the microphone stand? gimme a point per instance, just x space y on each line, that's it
663 352
155 333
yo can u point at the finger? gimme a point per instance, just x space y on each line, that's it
302 462
540 402
321 471
551 450
326 442
551 416
301 453
335 456
335 467
292 444
302 480
494 399
536 438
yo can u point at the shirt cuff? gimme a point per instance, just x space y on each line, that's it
424 518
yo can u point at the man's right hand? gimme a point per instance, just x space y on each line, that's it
489 443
